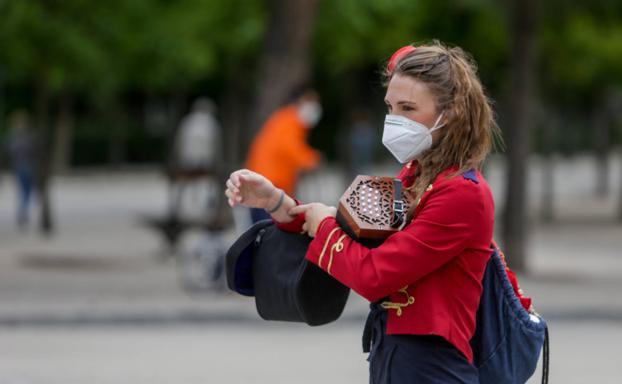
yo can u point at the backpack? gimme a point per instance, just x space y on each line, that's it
508 339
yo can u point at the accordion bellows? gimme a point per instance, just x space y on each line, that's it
366 207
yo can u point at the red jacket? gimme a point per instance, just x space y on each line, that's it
431 271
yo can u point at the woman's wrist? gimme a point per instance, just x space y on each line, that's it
275 206
281 204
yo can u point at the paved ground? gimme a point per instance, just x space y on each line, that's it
98 304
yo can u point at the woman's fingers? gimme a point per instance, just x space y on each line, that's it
251 178
232 187
232 191
299 209
246 187
235 176
230 198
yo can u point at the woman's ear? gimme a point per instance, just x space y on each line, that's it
448 116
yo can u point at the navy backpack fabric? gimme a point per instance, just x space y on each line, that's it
507 340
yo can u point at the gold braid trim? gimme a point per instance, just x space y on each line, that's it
319 263
398 306
338 246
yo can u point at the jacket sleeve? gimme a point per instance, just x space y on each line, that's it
295 225
441 230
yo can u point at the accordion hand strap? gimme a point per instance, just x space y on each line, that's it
398 205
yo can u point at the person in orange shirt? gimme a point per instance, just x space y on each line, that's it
280 151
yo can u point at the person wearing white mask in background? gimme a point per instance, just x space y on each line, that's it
280 151
423 282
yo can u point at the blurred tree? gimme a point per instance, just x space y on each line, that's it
180 44
581 49
107 60
354 38
286 58
42 44
97 51
548 123
517 130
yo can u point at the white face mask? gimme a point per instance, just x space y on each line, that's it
406 139
310 113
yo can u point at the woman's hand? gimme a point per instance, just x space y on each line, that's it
314 214
251 189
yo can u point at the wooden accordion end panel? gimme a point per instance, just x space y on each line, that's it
366 207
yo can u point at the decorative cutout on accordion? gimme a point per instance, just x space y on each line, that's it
367 206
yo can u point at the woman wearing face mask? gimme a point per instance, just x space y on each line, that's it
424 281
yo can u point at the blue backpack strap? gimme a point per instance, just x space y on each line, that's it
471 174
508 339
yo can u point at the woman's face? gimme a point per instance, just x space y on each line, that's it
411 98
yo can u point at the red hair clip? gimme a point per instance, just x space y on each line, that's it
398 55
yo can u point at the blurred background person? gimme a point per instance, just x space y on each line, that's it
195 161
198 137
22 157
280 151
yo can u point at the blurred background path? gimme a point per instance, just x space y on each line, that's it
99 303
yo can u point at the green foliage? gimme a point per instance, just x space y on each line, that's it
354 34
44 42
186 41
583 56
103 51
119 45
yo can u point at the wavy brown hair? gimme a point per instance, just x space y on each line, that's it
470 129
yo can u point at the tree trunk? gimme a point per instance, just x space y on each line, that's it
64 133
44 147
285 61
517 134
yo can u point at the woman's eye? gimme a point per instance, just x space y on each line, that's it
407 108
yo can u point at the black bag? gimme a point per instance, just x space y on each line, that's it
270 264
